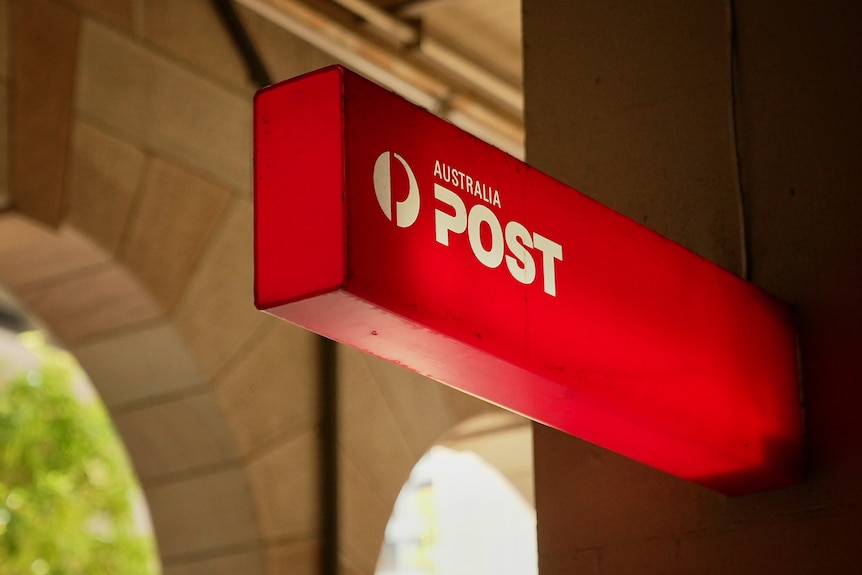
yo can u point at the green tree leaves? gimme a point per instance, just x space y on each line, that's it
67 491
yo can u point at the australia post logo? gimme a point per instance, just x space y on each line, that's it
526 254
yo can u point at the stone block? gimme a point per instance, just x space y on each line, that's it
174 218
369 433
575 561
632 56
192 32
822 542
363 515
122 14
656 555
171 437
96 301
138 365
104 173
284 54
415 401
506 443
462 407
217 314
44 70
5 193
271 391
234 563
286 484
156 102
623 499
32 253
201 514
294 558
4 40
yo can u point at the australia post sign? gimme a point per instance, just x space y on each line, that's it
390 230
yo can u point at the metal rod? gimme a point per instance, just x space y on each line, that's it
328 454
257 70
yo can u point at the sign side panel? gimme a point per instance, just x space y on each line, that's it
298 188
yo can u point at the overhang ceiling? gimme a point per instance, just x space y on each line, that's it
459 58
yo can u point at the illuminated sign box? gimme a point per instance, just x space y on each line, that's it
388 229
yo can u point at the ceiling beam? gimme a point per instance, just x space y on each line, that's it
390 67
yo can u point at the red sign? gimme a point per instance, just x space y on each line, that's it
388 229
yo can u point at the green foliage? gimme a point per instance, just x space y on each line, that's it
66 487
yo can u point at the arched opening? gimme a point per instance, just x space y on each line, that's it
148 367
461 511
69 499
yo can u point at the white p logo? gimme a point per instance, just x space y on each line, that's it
406 210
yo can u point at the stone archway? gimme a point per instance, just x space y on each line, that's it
129 234
389 418
225 444
191 466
